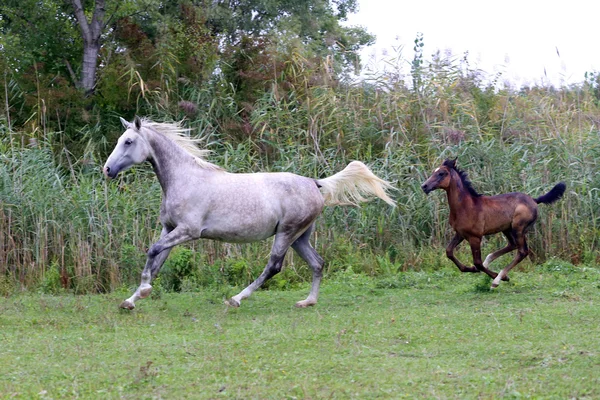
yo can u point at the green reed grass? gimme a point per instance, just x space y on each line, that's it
57 210
84 224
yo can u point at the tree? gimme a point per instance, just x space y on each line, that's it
91 33
55 52
316 23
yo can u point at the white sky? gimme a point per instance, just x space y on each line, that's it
518 38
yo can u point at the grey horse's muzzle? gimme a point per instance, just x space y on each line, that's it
110 172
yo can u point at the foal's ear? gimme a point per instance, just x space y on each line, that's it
450 163
126 124
138 122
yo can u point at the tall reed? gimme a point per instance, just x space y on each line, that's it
65 217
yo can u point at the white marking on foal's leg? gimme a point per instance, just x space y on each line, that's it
488 260
497 280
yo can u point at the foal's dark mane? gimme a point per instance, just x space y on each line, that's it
463 177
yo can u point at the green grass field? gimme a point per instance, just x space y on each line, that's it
414 335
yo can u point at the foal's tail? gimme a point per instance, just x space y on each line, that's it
553 195
354 184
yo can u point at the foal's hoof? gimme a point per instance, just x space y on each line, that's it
127 305
232 303
494 285
145 291
506 279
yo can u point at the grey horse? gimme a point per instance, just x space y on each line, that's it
201 200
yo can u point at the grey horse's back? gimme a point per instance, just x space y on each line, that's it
249 207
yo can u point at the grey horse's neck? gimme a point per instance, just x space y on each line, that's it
168 160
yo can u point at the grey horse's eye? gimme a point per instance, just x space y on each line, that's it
128 142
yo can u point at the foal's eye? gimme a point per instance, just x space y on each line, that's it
128 142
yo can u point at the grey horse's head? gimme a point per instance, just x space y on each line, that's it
132 148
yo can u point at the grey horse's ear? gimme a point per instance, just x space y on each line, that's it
125 123
138 122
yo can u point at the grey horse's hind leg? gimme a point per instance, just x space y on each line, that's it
304 249
157 255
281 244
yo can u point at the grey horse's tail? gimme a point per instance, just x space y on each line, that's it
353 185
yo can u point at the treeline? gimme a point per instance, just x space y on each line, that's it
69 67
276 101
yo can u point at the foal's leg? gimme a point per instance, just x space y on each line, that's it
456 240
522 252
157 255
304 249
498 253
281 244
475 243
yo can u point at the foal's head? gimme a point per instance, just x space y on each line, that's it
443 175
132 148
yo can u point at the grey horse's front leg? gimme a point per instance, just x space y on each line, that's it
157 255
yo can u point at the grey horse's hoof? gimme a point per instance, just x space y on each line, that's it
127 305
232 303
305 303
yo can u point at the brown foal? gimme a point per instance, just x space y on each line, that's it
472 216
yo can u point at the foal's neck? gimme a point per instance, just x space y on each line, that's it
457 192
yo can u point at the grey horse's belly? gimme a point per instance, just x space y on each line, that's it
239 234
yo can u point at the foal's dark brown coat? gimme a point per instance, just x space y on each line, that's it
472 216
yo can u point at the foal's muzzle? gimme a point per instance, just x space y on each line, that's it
426 188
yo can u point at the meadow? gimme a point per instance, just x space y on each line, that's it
413 335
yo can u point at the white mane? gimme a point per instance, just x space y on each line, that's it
179 135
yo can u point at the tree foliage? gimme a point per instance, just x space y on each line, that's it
316 23
41 32
150 55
